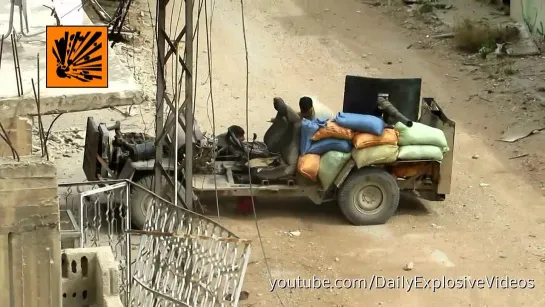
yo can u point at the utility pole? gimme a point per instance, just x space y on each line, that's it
166 127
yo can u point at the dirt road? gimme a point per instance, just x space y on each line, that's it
301 46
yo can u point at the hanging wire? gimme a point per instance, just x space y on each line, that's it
247 127
211 98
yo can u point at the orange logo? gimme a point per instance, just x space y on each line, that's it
77 56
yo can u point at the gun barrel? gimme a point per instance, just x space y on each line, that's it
388 108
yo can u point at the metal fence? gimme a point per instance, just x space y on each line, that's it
180 258
97 215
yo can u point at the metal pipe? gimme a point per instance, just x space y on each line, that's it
11 12
23 17
128 242
18 65
177 90
189 106
13 41
159 112
1 49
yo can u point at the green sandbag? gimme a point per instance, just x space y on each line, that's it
331 164
420 134
420 152
375 155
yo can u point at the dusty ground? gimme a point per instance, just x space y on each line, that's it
302 46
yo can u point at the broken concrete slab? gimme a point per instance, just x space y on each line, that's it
518 132
525 46
122 89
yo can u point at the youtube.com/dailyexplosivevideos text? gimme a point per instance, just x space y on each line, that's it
376 282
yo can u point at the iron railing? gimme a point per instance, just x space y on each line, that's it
181 258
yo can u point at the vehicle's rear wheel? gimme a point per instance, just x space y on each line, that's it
369 196
140 201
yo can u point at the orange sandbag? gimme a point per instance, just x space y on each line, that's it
365 140
309 165
412 169
334 131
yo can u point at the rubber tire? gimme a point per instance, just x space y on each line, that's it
377 177
138 214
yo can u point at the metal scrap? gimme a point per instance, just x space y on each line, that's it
519 156
516 133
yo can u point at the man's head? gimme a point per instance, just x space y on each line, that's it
238 132
305 106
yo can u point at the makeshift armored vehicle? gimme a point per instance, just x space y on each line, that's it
366 196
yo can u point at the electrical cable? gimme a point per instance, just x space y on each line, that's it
211 97
247 127
211 19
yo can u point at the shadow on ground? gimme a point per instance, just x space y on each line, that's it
327 213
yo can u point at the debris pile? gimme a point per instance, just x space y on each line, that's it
65 143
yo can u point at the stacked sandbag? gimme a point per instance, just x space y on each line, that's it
330 137
331 164
421 142
370 149
320 138
361 123
309 166
326 146
373 144
332 130
308 129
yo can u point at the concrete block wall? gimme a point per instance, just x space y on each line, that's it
29 234
90 278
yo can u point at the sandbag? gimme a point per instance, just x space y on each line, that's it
308 129
375 155
331 164
409 169
308 166
325 145
332 130
420 152
364 140
360 122
420 134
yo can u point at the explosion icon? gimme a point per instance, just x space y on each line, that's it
77 57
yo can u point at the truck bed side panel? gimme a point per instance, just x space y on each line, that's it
432 115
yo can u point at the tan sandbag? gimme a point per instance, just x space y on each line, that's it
309 166
375 155
364 140
333 131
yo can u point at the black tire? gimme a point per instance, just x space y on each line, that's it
368 182
140 200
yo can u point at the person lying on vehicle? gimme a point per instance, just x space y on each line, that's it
223 139
312 109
